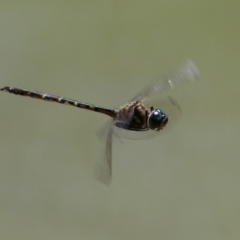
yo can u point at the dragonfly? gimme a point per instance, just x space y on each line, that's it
135 119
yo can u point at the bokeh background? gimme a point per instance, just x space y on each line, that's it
181 185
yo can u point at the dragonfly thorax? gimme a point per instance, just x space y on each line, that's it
157 119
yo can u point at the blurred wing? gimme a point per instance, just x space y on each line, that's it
104 165
187 72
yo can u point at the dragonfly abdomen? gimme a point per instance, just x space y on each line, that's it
58 99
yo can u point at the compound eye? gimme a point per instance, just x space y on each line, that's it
157 120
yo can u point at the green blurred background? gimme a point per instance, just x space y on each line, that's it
182 185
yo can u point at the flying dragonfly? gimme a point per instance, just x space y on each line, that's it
135 119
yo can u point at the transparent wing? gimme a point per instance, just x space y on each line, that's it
103 171
186 72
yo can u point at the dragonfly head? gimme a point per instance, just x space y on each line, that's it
157 119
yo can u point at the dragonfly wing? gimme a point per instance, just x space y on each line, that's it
186 72
104 164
